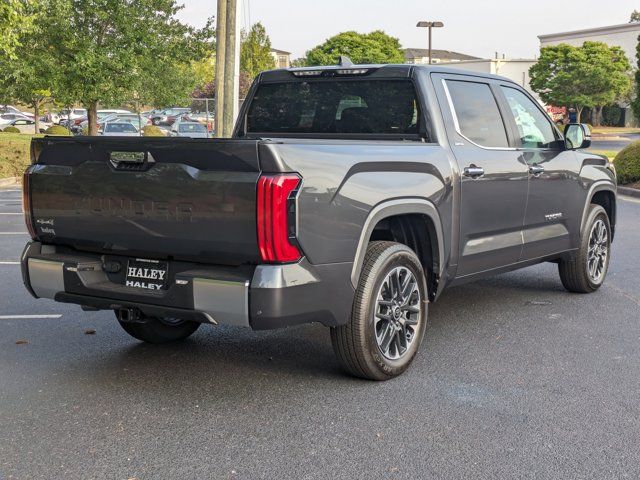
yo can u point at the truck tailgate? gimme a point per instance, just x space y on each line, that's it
181 198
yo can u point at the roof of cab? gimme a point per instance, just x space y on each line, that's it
382 70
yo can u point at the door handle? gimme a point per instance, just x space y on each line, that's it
536 169
473 171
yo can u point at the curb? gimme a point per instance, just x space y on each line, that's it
9 182
608 138
630 192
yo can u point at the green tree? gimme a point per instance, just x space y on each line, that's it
299 62
635 104
114 51
608 77
362 48
31 75
593 75
635 17
15 20
255 51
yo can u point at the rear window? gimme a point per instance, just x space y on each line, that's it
120 128
335 107
191 127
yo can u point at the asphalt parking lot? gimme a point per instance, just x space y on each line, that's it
516 379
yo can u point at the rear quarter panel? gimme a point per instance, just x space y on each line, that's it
344 180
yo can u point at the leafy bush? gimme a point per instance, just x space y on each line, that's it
11 129
627 164
57 130
152 131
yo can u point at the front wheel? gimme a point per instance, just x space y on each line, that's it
389 314
159 330
585 270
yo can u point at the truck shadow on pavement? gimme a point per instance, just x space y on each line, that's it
218 357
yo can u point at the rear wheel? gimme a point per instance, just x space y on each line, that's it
159 330
389 314
586 269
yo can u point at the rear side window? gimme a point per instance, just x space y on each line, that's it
335 107
477 113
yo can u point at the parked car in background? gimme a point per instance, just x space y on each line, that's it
119 129
8 109
138 121
189 129
69 118
7 118
208 120
170 115
27 125
113 111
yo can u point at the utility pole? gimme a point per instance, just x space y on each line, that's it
430 26
221 29
231 59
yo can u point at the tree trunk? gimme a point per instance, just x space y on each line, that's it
92 114
36 112
579 114
598 115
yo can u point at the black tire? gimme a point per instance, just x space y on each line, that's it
155 330
574 271
355 343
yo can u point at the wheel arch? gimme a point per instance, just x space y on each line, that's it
603 194
400 218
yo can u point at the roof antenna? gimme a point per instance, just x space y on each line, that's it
345 61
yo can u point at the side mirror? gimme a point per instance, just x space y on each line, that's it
577 136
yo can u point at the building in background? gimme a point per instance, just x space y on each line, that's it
625 36
421 56
282 58
516 70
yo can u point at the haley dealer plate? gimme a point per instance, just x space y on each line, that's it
147 274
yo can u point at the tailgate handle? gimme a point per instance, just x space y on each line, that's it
131 160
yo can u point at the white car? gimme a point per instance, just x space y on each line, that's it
27 125
7 118
119 129
189 129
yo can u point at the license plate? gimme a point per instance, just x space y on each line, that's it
147 274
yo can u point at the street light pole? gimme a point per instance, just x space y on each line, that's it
430 26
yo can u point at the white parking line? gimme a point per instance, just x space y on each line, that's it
629 199
27 317
10 213
9 263
14 233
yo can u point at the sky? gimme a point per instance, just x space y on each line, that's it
474 27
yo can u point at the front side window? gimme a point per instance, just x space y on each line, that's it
477 113
335 107
534 129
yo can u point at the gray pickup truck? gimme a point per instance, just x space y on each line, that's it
349 195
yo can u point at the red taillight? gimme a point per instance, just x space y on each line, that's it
26 204
276 218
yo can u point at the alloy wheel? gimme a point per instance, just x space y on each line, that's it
398 313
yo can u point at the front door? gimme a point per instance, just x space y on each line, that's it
555 200
493 177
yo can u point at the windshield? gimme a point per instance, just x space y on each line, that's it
191 127
335 106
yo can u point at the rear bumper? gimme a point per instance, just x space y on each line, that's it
262 297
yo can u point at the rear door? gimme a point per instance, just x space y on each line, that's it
554 206
494 178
